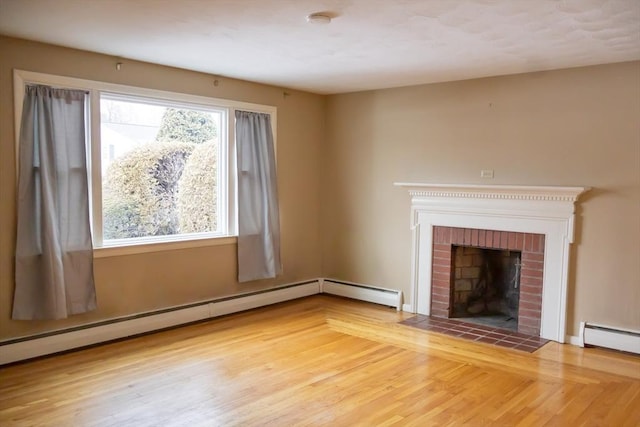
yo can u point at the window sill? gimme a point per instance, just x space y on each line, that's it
142 248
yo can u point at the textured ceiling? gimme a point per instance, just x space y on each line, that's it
370 44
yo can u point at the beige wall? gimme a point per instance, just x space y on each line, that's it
135 283
569 127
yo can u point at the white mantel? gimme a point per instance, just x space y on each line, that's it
547 210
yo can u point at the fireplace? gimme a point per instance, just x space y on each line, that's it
487 273
536 221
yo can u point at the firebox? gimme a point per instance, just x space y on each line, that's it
485 285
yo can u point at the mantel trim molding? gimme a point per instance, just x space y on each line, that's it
510 192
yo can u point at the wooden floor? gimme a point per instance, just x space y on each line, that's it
320 361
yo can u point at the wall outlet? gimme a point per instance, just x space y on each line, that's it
486 173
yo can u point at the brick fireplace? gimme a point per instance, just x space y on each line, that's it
538 221
531 247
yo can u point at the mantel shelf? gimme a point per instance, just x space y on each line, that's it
480 191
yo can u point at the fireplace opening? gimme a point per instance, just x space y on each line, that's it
485 286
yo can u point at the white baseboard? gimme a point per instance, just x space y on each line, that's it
573 340
30 347
24 348
234 305
388 297
62 341
15 350
408 308
606 336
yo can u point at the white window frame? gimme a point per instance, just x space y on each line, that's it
23 78
225 221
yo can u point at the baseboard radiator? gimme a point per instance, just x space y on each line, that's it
388 297
592 334
86 335
29 347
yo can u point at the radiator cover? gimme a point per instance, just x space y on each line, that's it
593 334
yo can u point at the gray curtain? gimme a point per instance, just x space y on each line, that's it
54 253
258 217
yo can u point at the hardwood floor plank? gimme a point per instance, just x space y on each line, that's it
319 361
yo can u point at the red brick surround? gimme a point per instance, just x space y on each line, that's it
532 248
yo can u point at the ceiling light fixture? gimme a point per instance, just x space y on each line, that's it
319 18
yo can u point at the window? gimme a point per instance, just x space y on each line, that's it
164 176
162 164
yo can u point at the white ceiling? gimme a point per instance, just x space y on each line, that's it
370 44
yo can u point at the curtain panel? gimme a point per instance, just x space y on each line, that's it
54 251
258 214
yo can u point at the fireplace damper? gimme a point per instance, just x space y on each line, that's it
485 286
